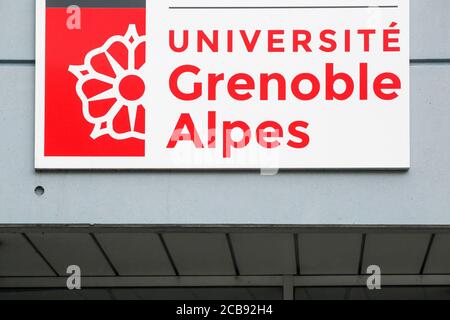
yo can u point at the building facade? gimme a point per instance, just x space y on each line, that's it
234 233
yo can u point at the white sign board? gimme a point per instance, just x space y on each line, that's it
222 84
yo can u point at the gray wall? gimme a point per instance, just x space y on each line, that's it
420 196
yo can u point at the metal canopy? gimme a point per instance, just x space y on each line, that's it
288 258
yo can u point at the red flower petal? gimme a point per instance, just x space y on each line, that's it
101 64
121 123
120 53
94 87
139 56
100 108
140 120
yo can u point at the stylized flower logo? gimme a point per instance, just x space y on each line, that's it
111 87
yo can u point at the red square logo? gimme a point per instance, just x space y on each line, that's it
94 87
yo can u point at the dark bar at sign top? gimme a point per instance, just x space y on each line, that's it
96 3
